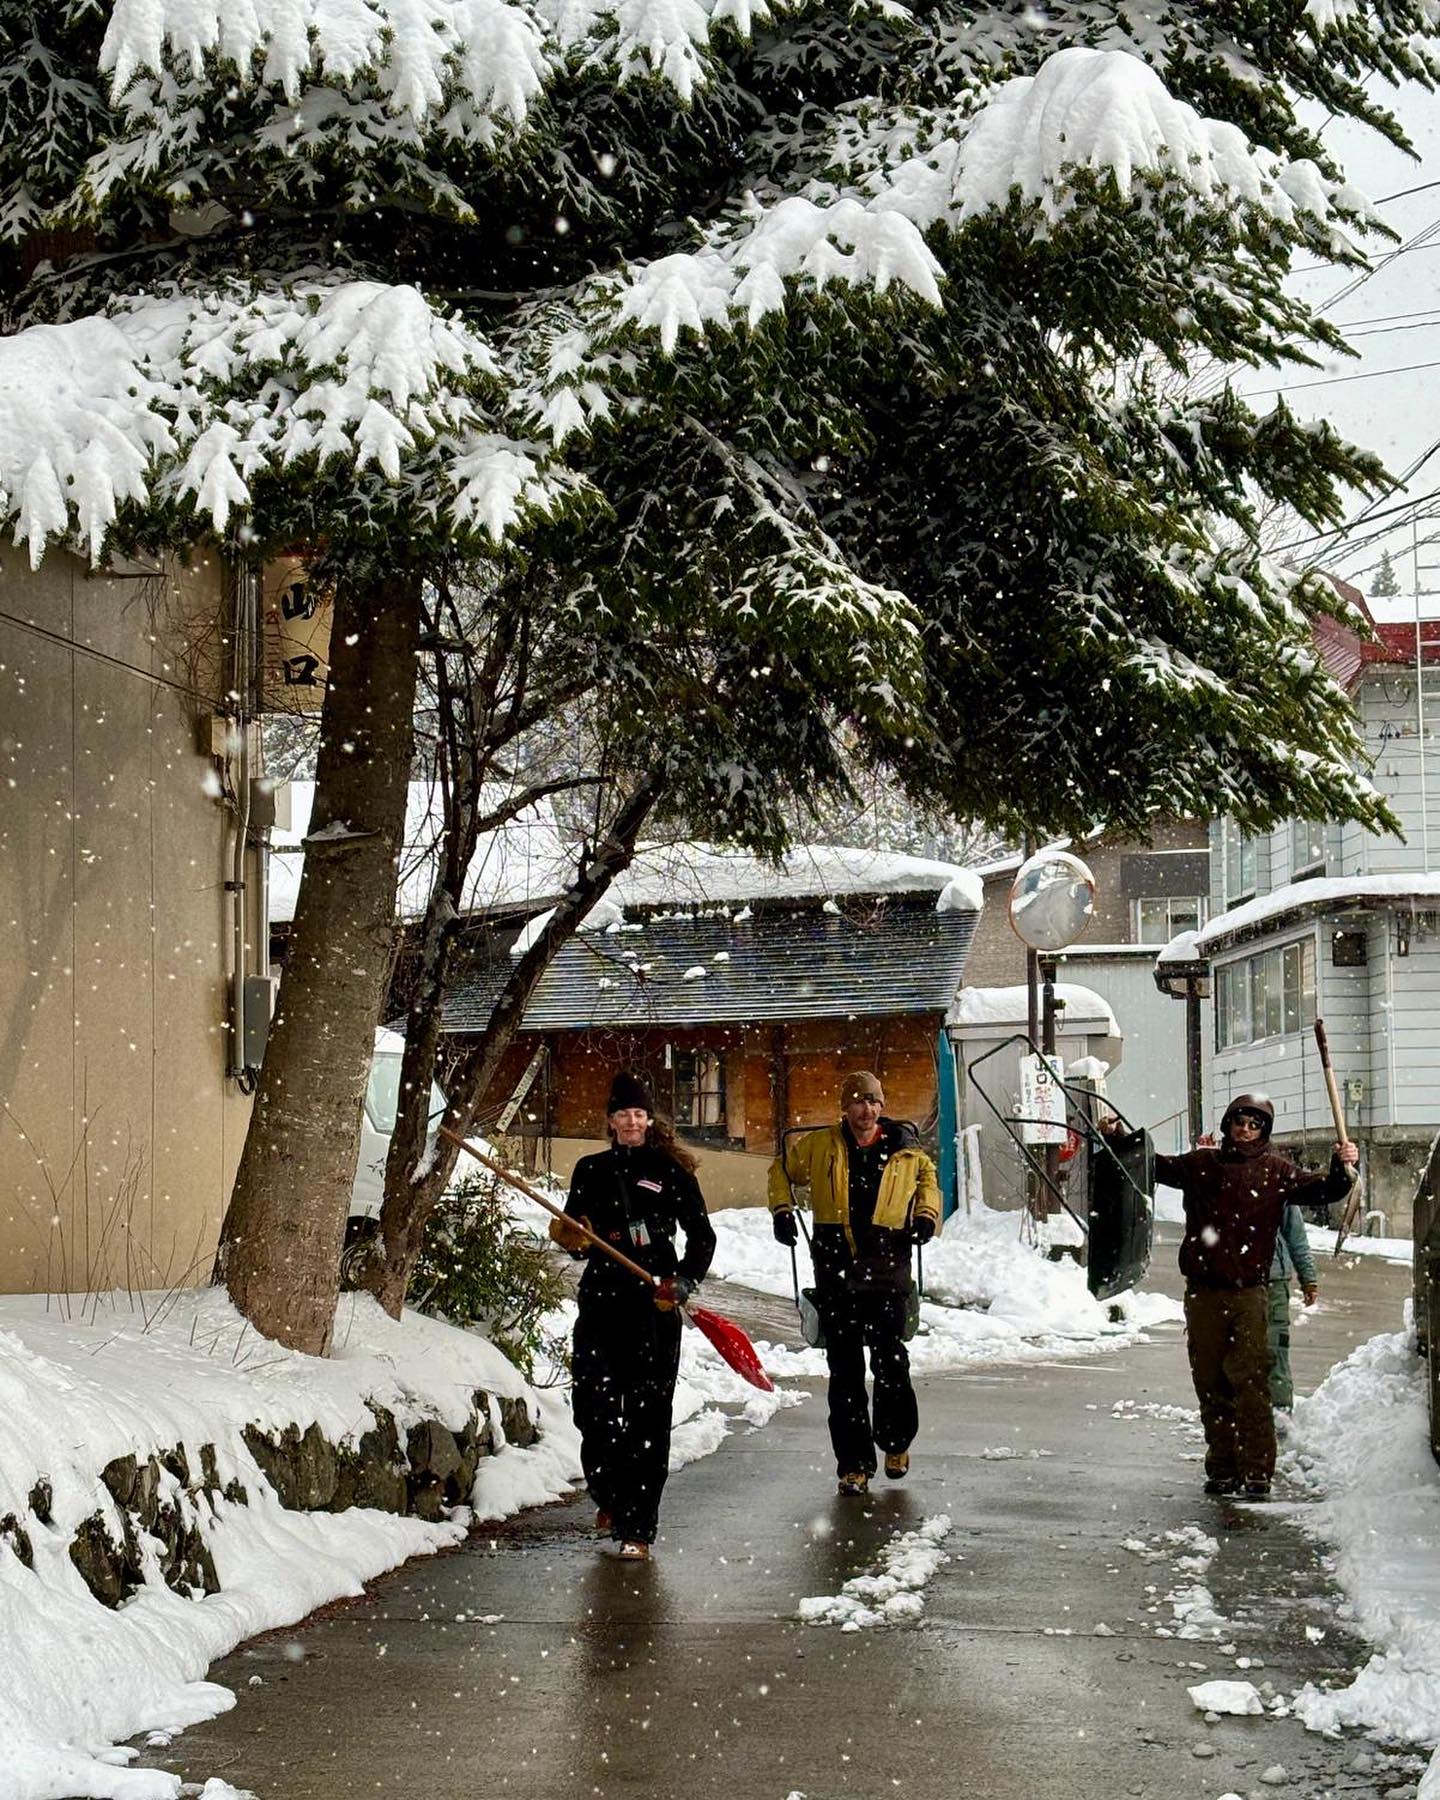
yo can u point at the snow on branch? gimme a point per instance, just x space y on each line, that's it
1086 113
456 62
200 399
1101 111
79 430
458 68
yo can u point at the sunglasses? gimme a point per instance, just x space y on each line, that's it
1258 1120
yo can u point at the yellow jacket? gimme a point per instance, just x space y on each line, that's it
818 1160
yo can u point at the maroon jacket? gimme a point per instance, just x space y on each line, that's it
1235 1199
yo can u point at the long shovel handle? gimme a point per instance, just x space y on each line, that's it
558 1212
1337 1112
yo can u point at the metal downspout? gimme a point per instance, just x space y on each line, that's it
242 711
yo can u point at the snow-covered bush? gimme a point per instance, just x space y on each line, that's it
477 1267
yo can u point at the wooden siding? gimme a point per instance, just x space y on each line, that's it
817 1054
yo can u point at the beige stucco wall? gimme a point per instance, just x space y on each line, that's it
119 1133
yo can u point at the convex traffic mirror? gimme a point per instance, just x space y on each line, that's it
1052 899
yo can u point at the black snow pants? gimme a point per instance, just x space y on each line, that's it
625 1361
855 1323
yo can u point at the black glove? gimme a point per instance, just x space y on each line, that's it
783 1225
923 1229
673 1291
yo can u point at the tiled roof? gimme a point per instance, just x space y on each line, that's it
892 954
1346 653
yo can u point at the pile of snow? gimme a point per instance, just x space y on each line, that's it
893 1595
86 1381
1238 1698
1360 1443
1008 1008
1387 1249
989 1297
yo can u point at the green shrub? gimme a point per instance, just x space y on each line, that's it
476 1267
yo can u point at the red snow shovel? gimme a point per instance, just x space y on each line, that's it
730 1341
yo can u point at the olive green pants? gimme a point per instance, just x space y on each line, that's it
1282 1383
1228 1341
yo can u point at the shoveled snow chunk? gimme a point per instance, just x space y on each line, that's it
1238 1697
696 972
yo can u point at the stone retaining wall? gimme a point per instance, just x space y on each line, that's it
164 1498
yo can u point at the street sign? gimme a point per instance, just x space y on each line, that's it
1041 1109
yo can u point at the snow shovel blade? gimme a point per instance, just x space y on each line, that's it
733 1345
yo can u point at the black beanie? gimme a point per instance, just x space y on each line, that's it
629 1090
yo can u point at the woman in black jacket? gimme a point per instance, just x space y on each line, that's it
626 1354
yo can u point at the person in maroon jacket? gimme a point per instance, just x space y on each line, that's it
1235 1197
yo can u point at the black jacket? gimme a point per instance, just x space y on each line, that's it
629 1195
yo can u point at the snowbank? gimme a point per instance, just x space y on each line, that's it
83 1382
1360 1444
989 1296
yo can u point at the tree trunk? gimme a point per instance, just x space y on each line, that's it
412 1188
280 1244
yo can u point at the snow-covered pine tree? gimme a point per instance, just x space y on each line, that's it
814 331
1386 583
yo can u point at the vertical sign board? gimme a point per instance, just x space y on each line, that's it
295 623
1042 1100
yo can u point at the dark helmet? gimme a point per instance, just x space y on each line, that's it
1256 1103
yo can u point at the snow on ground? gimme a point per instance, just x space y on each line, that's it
1360 1445
1388 1249
989 1296
84 1381
87 1380
893 1594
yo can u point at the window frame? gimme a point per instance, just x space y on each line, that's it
1310 864
1241 852
1200 903
1266 995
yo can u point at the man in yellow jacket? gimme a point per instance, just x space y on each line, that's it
873 1194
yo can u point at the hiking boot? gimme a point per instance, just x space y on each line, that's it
604 1524
1255 1490
630 1551
897 1465
1222 1484
858 1483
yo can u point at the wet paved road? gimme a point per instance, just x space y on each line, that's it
692 1677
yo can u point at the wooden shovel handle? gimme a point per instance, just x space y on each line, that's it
558 1212
1336 1110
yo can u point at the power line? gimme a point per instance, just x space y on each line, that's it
1300 387
1426 324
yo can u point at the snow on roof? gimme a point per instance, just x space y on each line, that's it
1011 864
700 874
522 863
1323 892
1008 1008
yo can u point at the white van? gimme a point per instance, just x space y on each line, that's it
377 1122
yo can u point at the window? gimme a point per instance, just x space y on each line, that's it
1264 996
1241 863
1307 848
699 1092
1158 919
